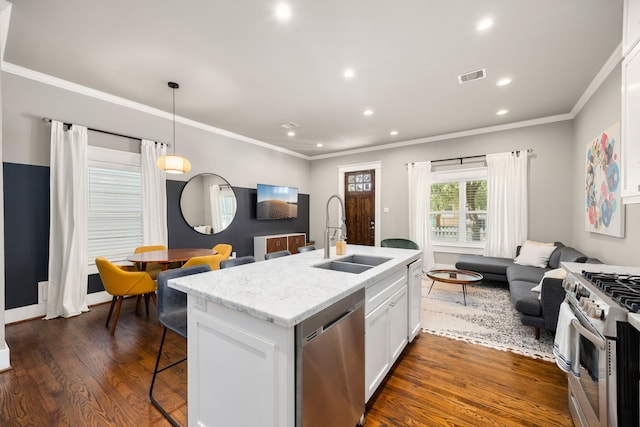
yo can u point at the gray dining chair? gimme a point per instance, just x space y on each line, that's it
306 248
231 262
172 313
278 254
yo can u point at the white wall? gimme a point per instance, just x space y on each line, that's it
26 136
602 110
550 177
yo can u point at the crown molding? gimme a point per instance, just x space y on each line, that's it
453 135
123 102
602 75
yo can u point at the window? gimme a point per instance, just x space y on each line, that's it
458 211
114 204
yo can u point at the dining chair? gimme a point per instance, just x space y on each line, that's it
153 268
172 313
278 254
121 283
399 243
237 261
306 248
223 249
213 261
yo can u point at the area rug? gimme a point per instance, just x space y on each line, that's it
488 319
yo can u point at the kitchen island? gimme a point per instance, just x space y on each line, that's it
241 334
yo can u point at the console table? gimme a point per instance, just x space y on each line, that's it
277 242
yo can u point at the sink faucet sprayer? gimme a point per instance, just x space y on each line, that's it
342 228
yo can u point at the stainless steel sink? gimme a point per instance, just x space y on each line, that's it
353 263
346 267
364 259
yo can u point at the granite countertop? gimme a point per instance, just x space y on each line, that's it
288 290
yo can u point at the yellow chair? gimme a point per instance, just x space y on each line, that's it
213 261
121 283
153 268
223 249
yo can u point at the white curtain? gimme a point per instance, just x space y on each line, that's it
68 222
216 208
154 195
419 202
506 203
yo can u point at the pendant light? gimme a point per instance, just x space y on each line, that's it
174 164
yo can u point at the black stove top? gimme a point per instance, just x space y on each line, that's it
622 288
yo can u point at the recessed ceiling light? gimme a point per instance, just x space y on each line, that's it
319 144
368 112
485 24
291 133
349 73
393 133
503 82
283 12
502 112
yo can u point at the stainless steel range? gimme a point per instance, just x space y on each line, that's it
606 391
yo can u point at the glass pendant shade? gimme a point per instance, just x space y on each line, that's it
174 164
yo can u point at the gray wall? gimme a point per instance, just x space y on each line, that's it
550 177
602 110
26 137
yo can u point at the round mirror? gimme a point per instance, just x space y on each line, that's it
208 203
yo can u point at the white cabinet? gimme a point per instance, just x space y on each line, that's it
385 326
277 242
241 369
398 323
631 25
631 127
415 298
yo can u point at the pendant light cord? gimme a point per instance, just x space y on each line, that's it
174 86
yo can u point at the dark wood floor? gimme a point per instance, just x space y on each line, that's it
71 372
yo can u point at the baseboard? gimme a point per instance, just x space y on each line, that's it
5 361
40 310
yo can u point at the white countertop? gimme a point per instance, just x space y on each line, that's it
634 319
287 290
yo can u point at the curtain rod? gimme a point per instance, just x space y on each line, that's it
48 120
460 159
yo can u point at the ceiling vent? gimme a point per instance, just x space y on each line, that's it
473 75
289 125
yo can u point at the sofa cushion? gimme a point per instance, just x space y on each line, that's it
535 254
569 254
557 273
484 264
523 298
554 259
526 274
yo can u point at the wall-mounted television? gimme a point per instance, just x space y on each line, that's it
276 202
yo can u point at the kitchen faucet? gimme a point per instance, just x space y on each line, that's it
342 228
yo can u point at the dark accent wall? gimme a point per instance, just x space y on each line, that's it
26 232
26 229
241 231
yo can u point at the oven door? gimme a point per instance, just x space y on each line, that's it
588 393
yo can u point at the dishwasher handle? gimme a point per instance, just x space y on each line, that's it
324 328
330 323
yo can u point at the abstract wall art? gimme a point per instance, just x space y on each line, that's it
604 211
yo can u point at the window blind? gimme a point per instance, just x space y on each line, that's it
114 213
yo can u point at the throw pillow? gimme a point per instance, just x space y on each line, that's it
558 273
535 254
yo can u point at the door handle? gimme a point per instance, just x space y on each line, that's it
595 340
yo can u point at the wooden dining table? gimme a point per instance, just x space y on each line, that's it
168 256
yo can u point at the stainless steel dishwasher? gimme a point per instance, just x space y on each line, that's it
330 365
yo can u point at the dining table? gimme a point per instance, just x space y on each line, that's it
167 256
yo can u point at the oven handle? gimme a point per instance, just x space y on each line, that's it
596 340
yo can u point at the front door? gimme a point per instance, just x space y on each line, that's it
360 195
